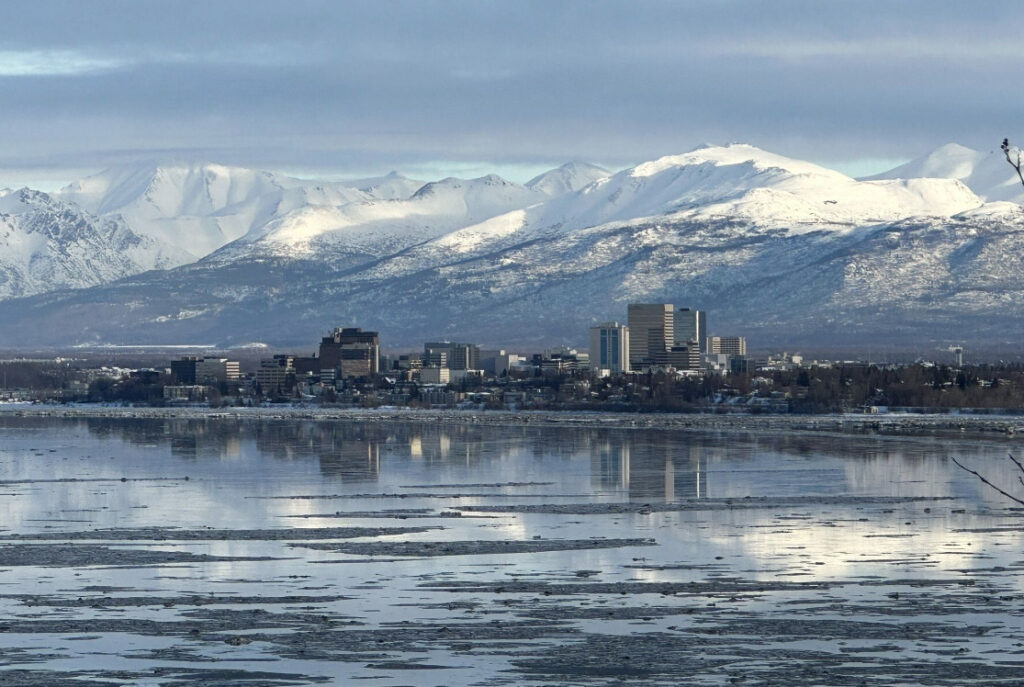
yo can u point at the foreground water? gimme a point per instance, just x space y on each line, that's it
292 552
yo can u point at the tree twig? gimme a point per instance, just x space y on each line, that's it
1016 462
1016 165
985 481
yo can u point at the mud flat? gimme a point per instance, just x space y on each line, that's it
76 555
471 548
212 534
765 502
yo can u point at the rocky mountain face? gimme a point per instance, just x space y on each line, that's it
780 250
46 244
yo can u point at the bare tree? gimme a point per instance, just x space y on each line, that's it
1013 156
1005 493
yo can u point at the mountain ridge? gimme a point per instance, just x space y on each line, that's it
768 244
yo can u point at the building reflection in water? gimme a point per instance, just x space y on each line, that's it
648 471
609 465
352 462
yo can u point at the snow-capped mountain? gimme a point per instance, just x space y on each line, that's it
777 249
985 173
370 229
744 181
571 176
198 208
46 244
392 186
740 183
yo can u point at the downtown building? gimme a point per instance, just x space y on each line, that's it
651 333
192 370
609 347
349 352
454 356
727 345
691 325
661 336
276 376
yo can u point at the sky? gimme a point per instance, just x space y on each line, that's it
346 89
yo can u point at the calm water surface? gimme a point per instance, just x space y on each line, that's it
886 553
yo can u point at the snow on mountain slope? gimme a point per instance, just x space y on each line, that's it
746 181
987 174
46 244
907 282
762 190
199 207
379 227
241 213
571 176
392 186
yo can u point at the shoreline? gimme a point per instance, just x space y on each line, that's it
991 426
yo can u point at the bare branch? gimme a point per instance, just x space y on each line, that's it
1006 148
985 481
1016 462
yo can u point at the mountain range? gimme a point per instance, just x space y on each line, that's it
780 250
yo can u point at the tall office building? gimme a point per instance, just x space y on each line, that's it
691 325
609 347
651 333
350 352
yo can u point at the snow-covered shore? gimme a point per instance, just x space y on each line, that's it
897 423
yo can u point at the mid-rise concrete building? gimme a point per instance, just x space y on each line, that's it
276 376
350 352
727 345
609 347
684 357
433 357
435 375
498 362
194 370
217 370
457 356
409 362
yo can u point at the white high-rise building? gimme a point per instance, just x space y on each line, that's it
609 347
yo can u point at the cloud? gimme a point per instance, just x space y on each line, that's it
53 63
384 85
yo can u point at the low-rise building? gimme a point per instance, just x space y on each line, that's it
276 376
435 375
192 393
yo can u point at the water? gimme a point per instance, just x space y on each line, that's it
219 551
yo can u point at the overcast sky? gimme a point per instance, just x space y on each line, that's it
339 89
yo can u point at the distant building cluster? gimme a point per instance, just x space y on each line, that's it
662 336
656 337
662 358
